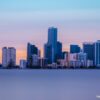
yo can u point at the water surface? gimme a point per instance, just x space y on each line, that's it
49 84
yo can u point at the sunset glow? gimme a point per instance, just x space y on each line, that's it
23 21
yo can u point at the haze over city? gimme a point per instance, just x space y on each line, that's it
23 21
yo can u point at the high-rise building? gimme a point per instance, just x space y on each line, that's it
97 53
52 40
4 57
48 53
8 57
11 56
89 49
52 36
74 48
50 48
31 50
59 51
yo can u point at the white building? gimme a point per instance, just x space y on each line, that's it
97 53
82 58
23 64
63 63
8 56
4 56
73 57
90 63
73 60
78 60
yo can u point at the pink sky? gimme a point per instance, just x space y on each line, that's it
21 23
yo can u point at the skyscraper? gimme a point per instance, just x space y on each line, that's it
31 50
48 53
74 48
50 48
89 49
52 36
59 51
97 53
8 57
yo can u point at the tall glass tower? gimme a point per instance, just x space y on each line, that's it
51 45
97 53
52 40
89 49
52 36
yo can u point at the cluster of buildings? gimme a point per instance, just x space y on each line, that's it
86 57
54 57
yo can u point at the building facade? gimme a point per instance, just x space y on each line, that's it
4 57
89 49
35 60
50 48
31 50
97 53
23 64
74 48
48 53
59 51
8 57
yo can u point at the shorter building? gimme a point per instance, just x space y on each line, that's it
43 62
73 60
90 63
8 57
74 48
64 62
23 64
78 60
82 58
75 64
35 60
65 55
52 66
73 57
4 57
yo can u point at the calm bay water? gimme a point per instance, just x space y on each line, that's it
49 84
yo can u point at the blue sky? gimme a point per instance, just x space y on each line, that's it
23 5
23 21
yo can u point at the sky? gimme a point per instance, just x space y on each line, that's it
23 21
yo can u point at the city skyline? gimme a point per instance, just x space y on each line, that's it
54 57
23 21
87 56
24 52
